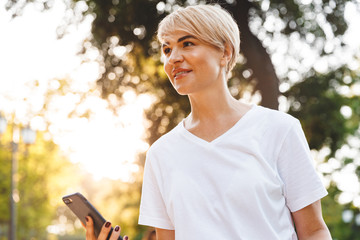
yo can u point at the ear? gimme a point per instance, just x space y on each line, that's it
227 54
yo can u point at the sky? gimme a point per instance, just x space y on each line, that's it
106 145
32 55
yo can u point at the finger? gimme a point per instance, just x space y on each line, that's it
126 238
90 235
104 231
116 233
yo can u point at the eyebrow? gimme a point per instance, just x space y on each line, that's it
180 40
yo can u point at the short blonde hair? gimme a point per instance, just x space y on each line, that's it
210 24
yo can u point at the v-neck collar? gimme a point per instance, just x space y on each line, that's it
192 137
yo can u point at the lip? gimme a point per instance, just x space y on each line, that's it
179 70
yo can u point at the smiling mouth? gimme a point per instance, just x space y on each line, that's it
181 73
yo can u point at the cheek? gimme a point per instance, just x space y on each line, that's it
208 60
167 69
208 65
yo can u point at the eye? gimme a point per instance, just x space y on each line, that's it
188 44
166 50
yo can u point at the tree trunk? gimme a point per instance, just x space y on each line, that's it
257 57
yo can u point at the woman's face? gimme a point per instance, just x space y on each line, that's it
190 64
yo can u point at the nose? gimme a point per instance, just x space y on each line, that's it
175 56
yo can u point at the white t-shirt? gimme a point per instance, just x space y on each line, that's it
242 185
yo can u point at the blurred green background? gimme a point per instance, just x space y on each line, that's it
85 78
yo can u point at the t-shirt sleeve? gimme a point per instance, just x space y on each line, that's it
296 168
152 207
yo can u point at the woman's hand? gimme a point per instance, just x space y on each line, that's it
90 235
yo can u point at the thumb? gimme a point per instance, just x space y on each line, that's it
90 234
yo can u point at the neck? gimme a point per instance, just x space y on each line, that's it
213 104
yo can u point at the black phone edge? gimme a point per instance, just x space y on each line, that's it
99 214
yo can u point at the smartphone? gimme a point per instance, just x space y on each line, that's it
81 207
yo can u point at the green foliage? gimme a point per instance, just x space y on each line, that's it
5 169
301 18
317 102
333 211
133 23
41 169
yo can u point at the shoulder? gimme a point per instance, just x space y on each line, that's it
275 118
273 125
165 141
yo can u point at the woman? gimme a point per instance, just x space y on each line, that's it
229 170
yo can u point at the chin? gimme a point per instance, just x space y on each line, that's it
187 89
182 92
180 89
185 92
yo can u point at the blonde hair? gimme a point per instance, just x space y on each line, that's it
210 24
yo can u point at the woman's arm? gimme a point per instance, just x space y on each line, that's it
310 224
164 234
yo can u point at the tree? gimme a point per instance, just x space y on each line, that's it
41 168
123 31
329 110
327 107
133 24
